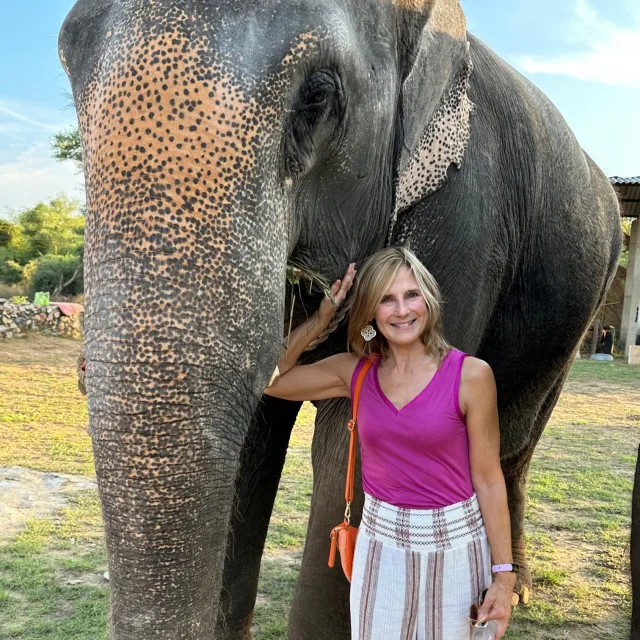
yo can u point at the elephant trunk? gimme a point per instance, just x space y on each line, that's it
165 471
185 255
185 259
171 395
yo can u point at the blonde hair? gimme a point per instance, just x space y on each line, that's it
373 280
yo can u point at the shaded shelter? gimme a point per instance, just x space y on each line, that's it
628 190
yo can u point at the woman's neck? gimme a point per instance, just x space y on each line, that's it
406 357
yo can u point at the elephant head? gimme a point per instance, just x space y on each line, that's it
221 138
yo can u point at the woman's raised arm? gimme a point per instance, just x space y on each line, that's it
328 378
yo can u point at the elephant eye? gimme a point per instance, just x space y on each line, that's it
320 95
319 104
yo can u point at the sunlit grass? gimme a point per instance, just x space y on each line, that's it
43 420
51 577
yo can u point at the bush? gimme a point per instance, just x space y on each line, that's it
27 273
7 231
10 272
55 274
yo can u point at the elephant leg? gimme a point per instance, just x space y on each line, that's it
517 498
261 463
516 471
320 608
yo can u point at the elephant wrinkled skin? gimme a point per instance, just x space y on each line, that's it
223 138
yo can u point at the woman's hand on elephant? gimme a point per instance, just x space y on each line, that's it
339 291
497 605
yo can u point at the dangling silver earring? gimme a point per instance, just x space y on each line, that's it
368 333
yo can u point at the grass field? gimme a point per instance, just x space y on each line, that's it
577 520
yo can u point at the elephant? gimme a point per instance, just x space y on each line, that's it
223 141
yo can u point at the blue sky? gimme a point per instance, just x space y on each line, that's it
584 54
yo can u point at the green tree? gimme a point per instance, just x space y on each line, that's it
42 246
59 275
67 145
10 272
7 232
53 227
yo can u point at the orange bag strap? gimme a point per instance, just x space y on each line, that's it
353 438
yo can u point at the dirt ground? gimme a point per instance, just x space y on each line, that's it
27 494
46 351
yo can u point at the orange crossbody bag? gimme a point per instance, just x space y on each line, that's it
343 537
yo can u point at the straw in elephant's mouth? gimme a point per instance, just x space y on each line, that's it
296 273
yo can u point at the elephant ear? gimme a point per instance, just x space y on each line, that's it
435 111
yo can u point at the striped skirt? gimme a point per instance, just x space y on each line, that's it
416 572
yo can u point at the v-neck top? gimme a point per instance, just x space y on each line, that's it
416 457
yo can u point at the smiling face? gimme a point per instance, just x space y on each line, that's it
402 314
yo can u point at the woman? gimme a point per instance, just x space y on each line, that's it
435 497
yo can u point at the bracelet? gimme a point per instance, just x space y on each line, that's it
502 568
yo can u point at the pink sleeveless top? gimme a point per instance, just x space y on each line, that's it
416 457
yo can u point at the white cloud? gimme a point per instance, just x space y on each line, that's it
26 120
28 173
34 176
35 118
602 51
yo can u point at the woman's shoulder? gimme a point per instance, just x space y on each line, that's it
477 384
351 364
475 369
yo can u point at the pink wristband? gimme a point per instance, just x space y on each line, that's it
501 568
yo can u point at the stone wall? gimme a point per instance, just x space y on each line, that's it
19 319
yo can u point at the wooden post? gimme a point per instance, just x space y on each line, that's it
635 554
